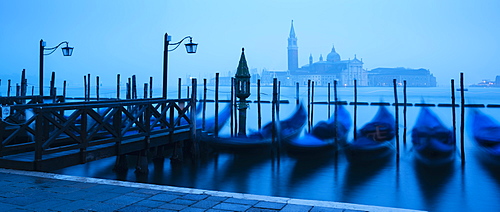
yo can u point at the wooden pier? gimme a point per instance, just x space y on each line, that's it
47 137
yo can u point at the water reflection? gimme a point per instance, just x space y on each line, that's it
433 180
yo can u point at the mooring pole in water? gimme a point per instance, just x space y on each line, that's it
8 88
462 117
88 87
52 85
335 114
97 87
273 112
216 132
259 109
396 116
453 111
134 87
204 103
278 99
84 87
309 106
118 86
187 92
235 108
355 107
179 88
404 112
64 89
297 93
231 110
150 87
194 138
328 100
312 104
127 91
145 90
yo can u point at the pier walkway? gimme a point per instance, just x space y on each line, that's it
39 191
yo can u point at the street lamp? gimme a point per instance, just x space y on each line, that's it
67 51
190 48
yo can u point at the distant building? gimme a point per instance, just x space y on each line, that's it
322 72
345 72
414 77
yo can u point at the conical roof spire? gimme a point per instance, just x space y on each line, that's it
242 70
292 31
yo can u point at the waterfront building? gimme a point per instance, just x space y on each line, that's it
414 77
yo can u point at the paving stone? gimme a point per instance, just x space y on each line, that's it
325 209
22 201
350 210
75 195
215 210
164 197
105 207
149 203
232 207
173 206
293 208
124 199
147 191
241 201
195 196
192 210
205 204
101 197
261 210
162 210
74 205
217 199
270 205
133 208
183 202
123 190
47 204
64 190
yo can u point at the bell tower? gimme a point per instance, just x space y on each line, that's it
293 51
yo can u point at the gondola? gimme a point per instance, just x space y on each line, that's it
486 133
324 134
287 129
374 140
433 143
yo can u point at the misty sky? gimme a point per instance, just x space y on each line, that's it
126 37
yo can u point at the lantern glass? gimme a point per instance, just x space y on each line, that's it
191 47
67 51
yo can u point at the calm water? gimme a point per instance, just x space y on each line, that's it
474 187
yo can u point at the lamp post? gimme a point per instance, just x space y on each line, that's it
67 51
190 49
242 81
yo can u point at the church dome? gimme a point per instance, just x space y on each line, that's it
333 56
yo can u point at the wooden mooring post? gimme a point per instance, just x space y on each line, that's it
203 116
462 117
335 114
309 106
404 112
328 100
233 102
297 93
396 107
259 109
118 86
97 87
355 108
312 105
453 111
216 132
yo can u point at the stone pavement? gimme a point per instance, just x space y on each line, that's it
38 191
